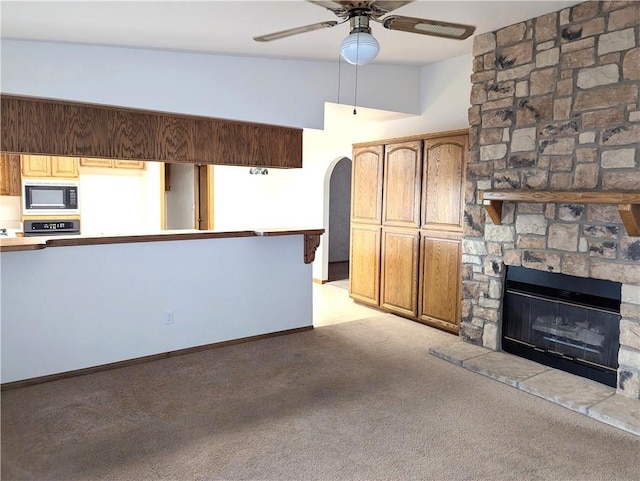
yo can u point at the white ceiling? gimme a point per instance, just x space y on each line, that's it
227 27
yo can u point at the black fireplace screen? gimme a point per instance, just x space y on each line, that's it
562 321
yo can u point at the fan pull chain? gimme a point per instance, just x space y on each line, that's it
355 93
339 81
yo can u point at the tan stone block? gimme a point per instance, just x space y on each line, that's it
609 58
586 155
484 43
578 45
564 87
530 208
606 97
602 213
519 54
566 74
626 17
596 76
497 118
618 159
501 90
630 310
523 140
558 129
563 237
562 108
543 81
630 295
497 104
623 135
601 231
487 76
533 110
630 333
561 181
545 45
575 265
602 118
615 271
493 152
609 6
616 41
542 260
565 16
522 160
587 138
619 179
571 212
506 180
584 11
634 116
547 58
490 136
522 88
474 115
515 73
630 247
580 58
557 146
603 249
631 65
546 27
535 178
478 94
512 257
489 60
562 164
531 242
586 176
511 34
478 64
494 248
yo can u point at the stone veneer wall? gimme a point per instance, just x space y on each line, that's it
555 106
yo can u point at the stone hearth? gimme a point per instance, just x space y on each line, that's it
555 106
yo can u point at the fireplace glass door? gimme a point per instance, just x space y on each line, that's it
568 330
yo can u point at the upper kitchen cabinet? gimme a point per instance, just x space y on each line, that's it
47 166
443 183
73 129
366 185
113 163
401 197
9 174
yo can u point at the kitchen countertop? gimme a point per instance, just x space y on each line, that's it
13 244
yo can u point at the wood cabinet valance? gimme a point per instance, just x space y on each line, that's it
74 129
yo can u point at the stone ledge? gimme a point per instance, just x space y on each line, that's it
587 397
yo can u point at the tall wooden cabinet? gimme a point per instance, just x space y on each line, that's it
406 226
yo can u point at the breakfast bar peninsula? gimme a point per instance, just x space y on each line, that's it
75 304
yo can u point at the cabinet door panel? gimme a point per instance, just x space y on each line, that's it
401 193
93 162
366 185
129 164
10 174
64 167
443 183
364 264
440 281
36 165
399 284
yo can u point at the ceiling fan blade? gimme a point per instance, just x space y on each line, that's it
377 8
423 26
294 31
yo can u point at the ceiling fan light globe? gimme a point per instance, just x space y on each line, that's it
359 48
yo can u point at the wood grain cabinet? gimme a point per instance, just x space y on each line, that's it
366 185
364 263
440 282
406 226
10 174
48 166
399 270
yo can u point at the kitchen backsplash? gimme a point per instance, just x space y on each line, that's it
10 212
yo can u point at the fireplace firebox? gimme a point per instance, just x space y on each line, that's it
565 322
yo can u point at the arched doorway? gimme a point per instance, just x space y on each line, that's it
339 221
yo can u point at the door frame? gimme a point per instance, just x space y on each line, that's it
203 195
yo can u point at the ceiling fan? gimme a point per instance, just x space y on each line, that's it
360 47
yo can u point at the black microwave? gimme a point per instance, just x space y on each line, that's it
50 197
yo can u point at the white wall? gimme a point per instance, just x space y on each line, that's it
10 212
120 201
180 205
67 308
281 92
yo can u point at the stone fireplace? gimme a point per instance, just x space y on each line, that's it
555 107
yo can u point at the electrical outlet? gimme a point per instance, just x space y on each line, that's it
168 316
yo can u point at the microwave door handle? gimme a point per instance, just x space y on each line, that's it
44 206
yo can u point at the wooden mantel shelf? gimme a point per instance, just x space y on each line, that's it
628 203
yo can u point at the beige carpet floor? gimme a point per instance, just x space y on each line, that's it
361 400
